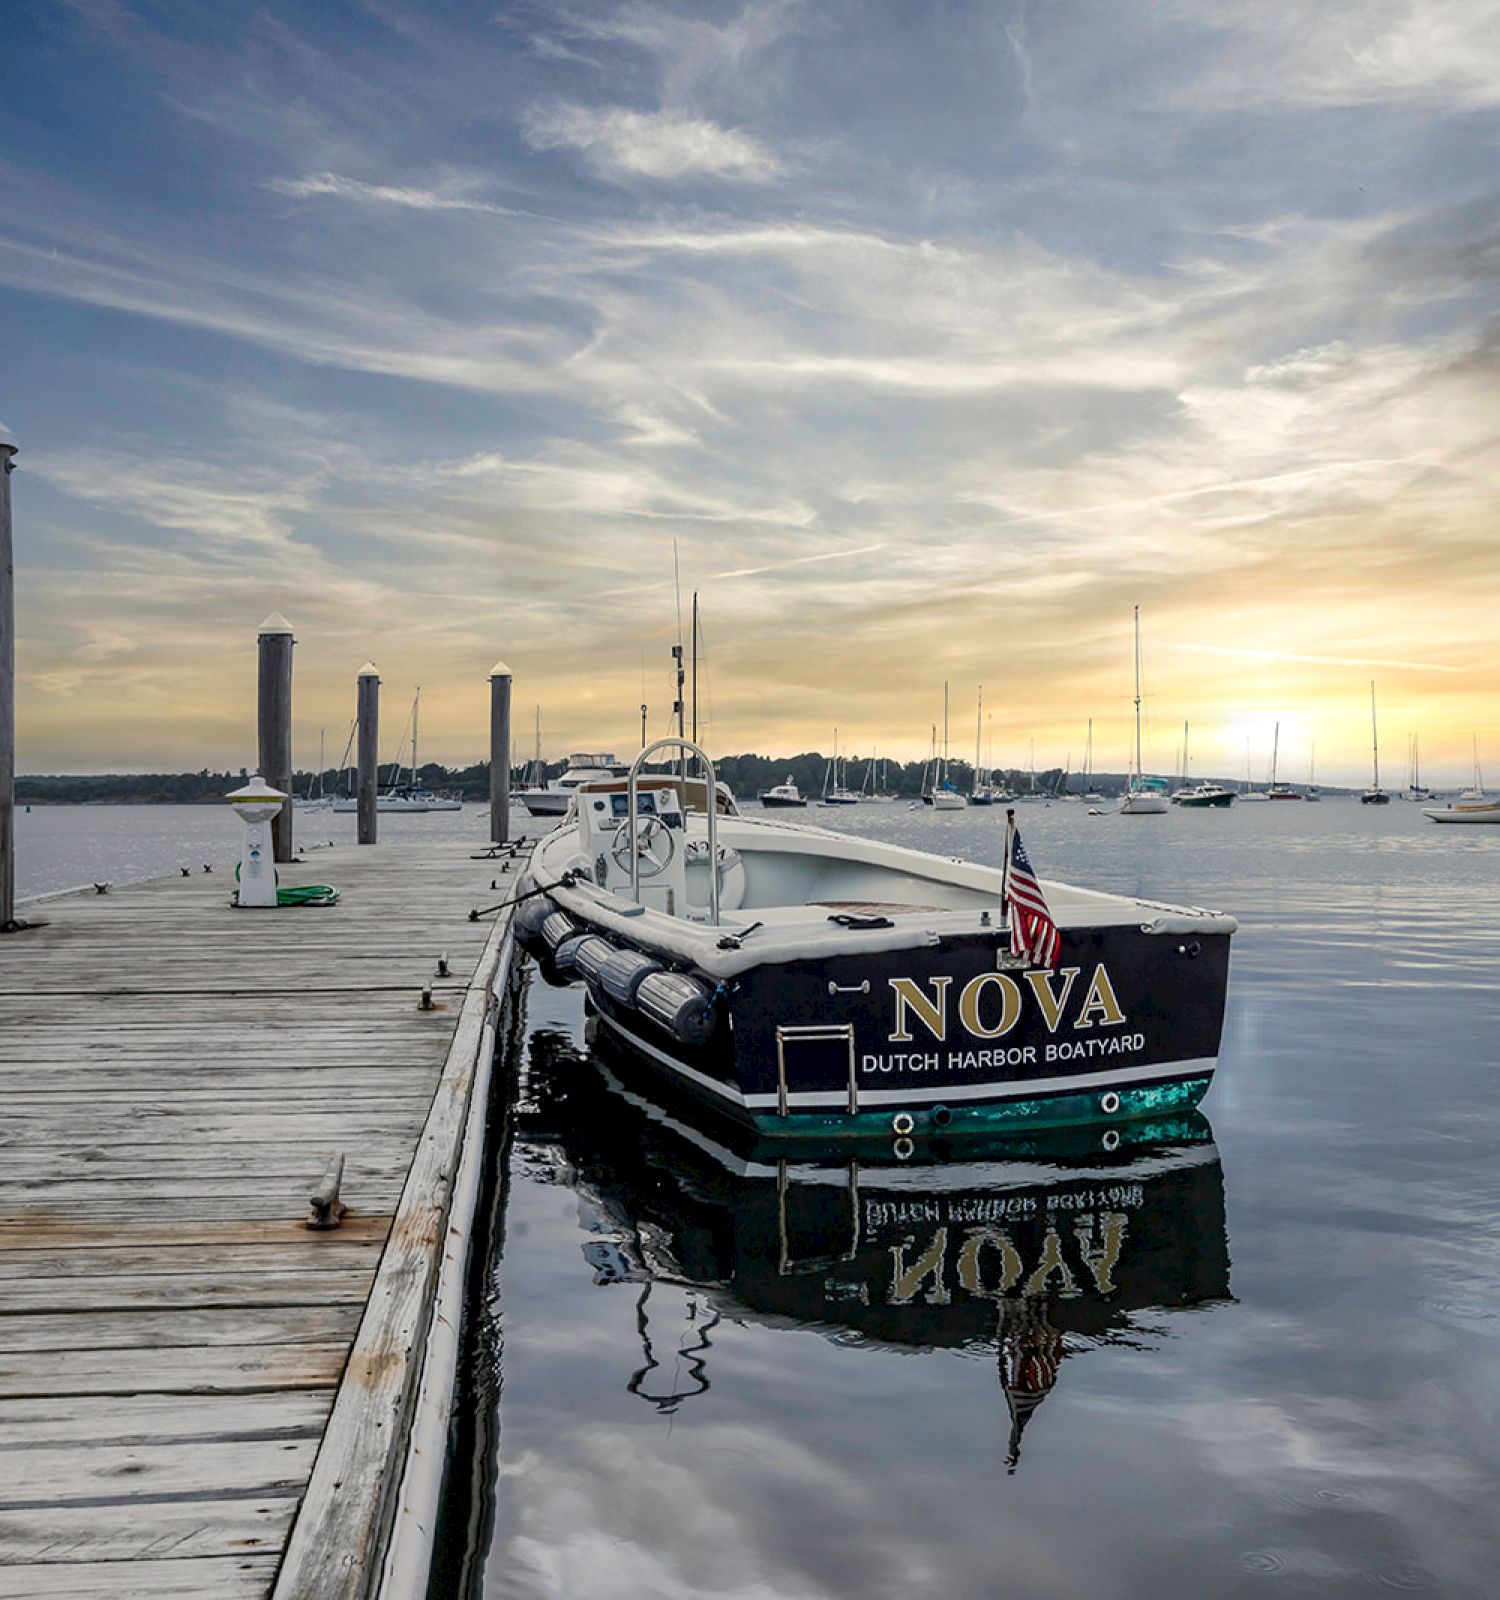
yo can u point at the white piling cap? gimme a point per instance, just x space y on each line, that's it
275 623
7 439
257 792
500 670
369 670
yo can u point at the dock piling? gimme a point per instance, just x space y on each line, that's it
8 923
275 724
369 738
500 681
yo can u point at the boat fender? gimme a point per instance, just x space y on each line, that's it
565 957
941 1116
682 1007
902 1123
557 927
623 974
591 954
1109 1103
528 924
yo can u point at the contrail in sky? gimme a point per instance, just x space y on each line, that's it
754 572
1326 661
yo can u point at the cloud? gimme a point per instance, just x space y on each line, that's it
1327 661
413 199
651 144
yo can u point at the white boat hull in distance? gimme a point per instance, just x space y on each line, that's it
402 803
546 802
1143 805
947 800
1487 812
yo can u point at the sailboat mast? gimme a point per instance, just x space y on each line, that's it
1088 758
1275 747
415 702
695 666
945 730
1137 691
1374 736
978 729
1184 752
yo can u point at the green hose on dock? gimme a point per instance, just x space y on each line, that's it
304 894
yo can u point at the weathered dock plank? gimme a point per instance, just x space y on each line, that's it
173 1077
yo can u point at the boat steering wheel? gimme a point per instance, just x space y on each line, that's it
654 846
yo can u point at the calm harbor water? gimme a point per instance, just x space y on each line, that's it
1260 1355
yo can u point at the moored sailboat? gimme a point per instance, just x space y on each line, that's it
1143 797
1374 795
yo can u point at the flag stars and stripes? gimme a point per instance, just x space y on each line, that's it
1033 933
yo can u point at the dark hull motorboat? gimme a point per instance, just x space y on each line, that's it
820 983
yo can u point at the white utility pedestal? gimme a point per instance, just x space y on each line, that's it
256 804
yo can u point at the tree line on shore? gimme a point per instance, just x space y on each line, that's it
746 775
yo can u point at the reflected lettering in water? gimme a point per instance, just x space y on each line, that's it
1032 1251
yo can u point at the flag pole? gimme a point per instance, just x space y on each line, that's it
1010 839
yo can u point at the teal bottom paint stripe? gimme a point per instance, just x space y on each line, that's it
1006 1116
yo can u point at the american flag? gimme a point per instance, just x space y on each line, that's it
1033 933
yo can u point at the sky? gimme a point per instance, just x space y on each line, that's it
929 339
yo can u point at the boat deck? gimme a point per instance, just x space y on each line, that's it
174 1076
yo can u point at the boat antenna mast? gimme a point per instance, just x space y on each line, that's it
678 705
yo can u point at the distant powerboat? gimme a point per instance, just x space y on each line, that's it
1198 796
783 796
552 799
1466 811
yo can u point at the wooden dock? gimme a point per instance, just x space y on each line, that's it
183 1364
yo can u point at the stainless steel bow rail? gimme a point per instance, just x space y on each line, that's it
686 745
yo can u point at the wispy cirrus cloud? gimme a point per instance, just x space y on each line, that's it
334 186
651 144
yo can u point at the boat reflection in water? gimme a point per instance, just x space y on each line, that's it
1033 1248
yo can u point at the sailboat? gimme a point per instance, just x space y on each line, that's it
316 799
1415 789
1279 791
1090 790
1145 797
982 791
1374 795
1472 805
835 791
1475 791
1250 792
944 796
413 795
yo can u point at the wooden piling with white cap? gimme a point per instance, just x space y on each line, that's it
8 449
274 706
500 682
368 786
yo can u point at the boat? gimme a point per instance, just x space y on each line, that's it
410 796
1090 789
1312 792
1374 795
981 791
1475 790
944 795
835 791
1143 797
801 980
1415 789
1202 795
783 796
1465 811
553 799
1002 1251
316 799
1279 791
